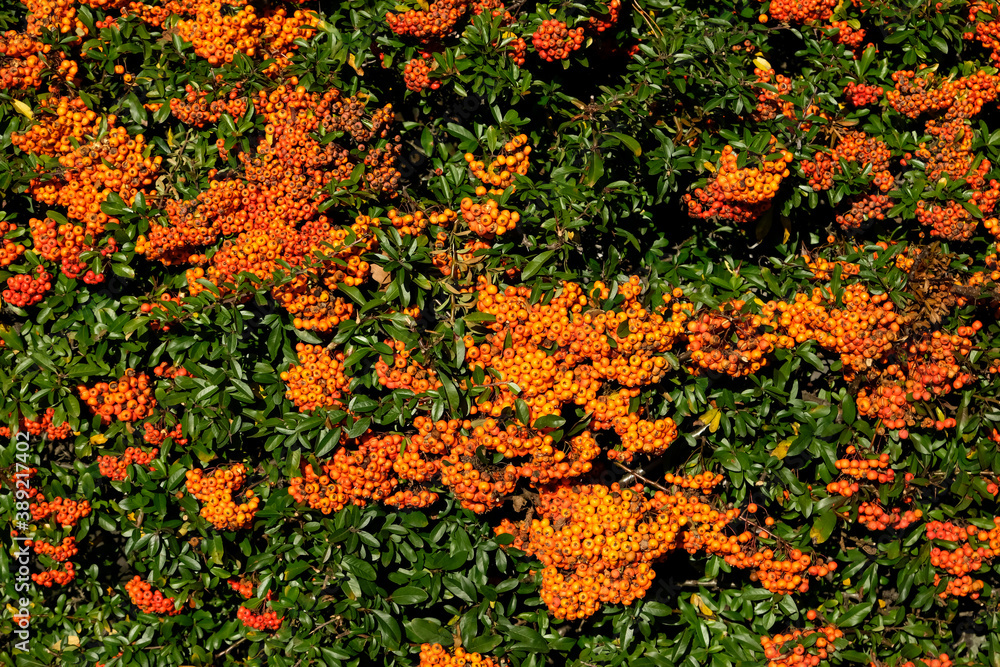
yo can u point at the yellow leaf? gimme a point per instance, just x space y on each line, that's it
98 439
815 535
781 450
553 10
170 138
23 109
847 582
354 65
712 418
701 606
787 224
881 604
710 167
760 63
73 640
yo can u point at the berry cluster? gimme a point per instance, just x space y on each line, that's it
116 467
318 380
799 653
147 600
863 212
873 516
10 250
853 147
44 427
862 94
271 214
157 435
435 655
20 64
599 24
488 220
941 660
25 290
266 620
67 513
416 76
57 577
728 340
870 469
415 223
113 163
735 194
61 121
772 98
57 552
553 40
129 399
405 372
500 172
216 493
848 35
976 547
802 11
439 19
193 109
217 35
352 477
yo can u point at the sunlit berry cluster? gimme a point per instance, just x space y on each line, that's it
771 103
215 491
195 109
61 121
488 220
157 435
147 600
728 340
44 427
217 34
66 512
352 477
116 467
27 289
58 552
264 620
435 655
554 40
58 577
115 162
414 223
873 516
270 213
318 380
792 650
860 469
802 11
854 147
976 548
437 21
405 371
862 94
736 194
21 60
416 76
501 170
128 399
10 249
940 660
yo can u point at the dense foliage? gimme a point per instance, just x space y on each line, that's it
647 333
